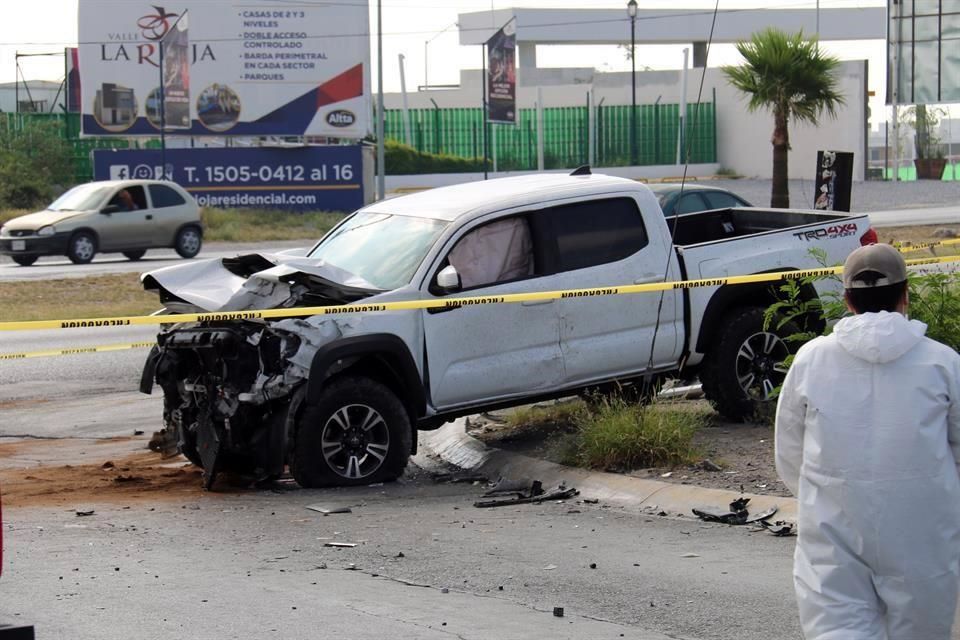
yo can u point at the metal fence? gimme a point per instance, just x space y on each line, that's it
459 132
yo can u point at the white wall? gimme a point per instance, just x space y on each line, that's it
39 90
743 139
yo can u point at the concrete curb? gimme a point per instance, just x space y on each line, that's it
452 444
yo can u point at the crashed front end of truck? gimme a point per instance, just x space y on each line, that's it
233 388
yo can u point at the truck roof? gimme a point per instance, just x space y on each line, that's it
477 198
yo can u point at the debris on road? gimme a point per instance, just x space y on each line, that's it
590 501
328 510
536 494
690 555
709 465
558 612
522 488
107 465
457 478
84 512
780 528
340 545
550 567
737 514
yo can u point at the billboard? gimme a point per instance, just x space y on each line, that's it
301 178
923 59
242 69
502 75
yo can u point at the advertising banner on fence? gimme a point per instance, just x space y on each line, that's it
245 68
502 75
72 55
303 178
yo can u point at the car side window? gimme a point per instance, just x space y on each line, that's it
721 200
129 198
163 196
596 232
691 203
497 252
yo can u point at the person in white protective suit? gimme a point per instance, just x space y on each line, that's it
868 439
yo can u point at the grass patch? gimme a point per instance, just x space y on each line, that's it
260 225
621 436
562 414
93 297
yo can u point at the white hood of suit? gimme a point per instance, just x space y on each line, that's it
878 337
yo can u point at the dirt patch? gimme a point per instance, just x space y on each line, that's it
135 477
744 452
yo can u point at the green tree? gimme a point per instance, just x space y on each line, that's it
35 162
789 75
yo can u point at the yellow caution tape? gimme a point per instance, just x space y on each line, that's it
46 353
907 248
434 303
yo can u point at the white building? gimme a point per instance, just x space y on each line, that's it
34 96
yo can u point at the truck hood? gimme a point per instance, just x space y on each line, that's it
40 219
256 281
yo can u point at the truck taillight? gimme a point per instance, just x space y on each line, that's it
870 237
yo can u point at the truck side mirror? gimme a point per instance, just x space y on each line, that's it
448 279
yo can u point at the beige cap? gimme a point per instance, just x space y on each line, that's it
878 258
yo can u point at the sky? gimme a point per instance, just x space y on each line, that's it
40 26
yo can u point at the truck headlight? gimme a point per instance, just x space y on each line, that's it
46 231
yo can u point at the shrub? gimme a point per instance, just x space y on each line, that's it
935 301
35 164
618 435
401 159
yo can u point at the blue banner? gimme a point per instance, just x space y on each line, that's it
299 179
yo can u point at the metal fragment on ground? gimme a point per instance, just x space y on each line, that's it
559 493
456 478
522 488
328 510
736 514
780 528
340 545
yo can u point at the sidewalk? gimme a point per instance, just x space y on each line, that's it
452 444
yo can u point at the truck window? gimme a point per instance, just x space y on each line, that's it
596 232
496 252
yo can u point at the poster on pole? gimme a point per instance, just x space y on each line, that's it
175 70
502 75
241 69
923 59
73 80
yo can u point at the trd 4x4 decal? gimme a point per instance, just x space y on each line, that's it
834 231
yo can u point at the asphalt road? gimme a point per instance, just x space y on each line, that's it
55 267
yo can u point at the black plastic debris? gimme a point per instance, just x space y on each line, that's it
535 494
780 528
520 488
456 478
329 509
84 512
737 513
558 612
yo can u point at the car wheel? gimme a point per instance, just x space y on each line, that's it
357 432
24 261
744 369
188 242
134 255
82 247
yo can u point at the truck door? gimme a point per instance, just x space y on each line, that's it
480 353
603 243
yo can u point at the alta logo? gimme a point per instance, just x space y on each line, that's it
341 118
835 231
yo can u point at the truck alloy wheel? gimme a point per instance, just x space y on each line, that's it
744 365
356 432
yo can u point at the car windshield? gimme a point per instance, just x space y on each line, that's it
81 198
385 250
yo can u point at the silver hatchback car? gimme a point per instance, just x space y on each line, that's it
121 216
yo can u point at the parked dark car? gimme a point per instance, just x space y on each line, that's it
694 198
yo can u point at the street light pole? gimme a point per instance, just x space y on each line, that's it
632 13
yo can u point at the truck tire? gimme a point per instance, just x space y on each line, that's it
742 367
24 261
358 432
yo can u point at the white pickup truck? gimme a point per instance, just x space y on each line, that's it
339 398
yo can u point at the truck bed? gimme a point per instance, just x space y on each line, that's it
724 224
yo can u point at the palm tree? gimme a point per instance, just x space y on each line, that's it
789 75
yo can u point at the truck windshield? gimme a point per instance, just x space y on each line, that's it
383 249
81 198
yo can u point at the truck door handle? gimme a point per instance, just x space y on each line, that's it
535 303
149 216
